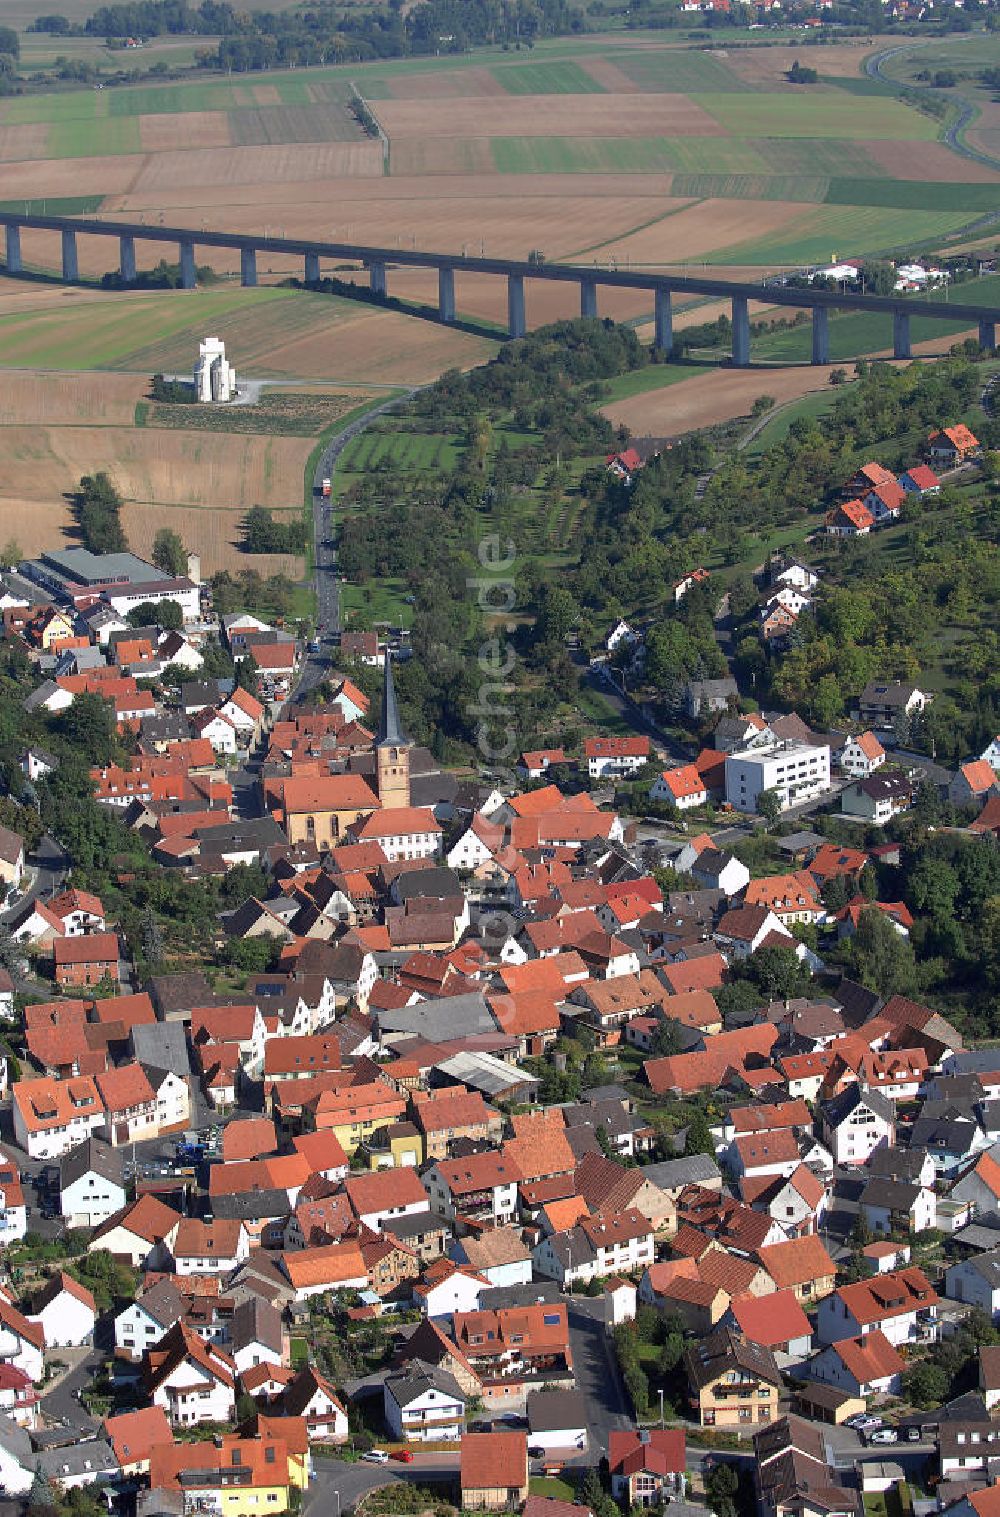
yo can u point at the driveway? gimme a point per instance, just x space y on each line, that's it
61 1404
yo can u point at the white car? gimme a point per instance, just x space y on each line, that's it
376 1456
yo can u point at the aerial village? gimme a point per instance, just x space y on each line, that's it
484 1189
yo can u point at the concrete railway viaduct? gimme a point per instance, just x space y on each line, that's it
378 261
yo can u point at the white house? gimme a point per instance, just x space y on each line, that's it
53 1116
894 1205
991 753
976 1282
683 788
404 832
384 1195
615 755
66 1312
980 1184
855 1123
597 1247
193 1381
902 1303
795 771
862 755
209 1248
309 1396
484 1186
17 1459
173 1099
478 843
423 1404
13 1211
448 1288
868 1366
218 729
798 575
22 1342
148 1319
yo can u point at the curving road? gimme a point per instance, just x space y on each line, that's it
966 112
316 666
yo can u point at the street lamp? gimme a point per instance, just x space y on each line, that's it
661 1408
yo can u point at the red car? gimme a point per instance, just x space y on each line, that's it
403 1455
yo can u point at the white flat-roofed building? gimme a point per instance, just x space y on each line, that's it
795 771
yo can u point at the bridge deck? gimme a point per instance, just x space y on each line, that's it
632 279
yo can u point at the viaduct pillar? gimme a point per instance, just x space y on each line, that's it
13 249
312 268
821 335
248 267
70 264
126 259
379 284
900 333
588 297
987 328
516 324
446 294
741 332
189 274
663 321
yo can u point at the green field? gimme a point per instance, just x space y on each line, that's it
412 451
851 336
826 231
93 139
654 377
803 115
820 189
677 72
547 79
623 155
160 331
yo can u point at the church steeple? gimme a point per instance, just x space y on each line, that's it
390 730
392 748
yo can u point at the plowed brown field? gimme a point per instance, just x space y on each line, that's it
214 534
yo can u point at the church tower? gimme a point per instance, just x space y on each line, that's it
392 749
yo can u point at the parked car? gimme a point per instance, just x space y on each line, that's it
912 1434
883 1435
376 1456
863 1422
405 1456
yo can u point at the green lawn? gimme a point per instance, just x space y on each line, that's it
546 79
381 601
299 1352
800 113
809 407
851 336
548 1485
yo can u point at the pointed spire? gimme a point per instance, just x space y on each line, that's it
390 731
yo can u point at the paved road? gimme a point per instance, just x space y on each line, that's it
966 111
317 664
61 1404
49 866
597 1376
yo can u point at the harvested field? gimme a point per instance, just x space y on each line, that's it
214 534
18 142
47 177
199 129
930 161
275 124
610 76
50 400
718 395
441 155
441 86
550 116
257 166
220 470
699 229
35 525
379 347
767 66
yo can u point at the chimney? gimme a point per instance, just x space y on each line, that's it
644 1435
